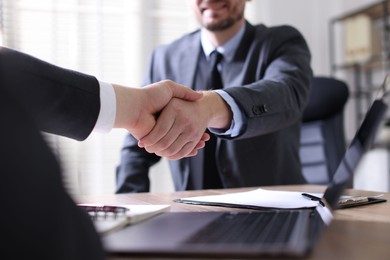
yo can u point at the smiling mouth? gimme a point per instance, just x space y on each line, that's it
213 6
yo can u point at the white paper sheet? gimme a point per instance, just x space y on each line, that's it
259 198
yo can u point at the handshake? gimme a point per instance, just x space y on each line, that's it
169 119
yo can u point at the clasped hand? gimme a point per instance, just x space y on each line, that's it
180 128
169 119
147 113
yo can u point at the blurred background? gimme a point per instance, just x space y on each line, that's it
113 39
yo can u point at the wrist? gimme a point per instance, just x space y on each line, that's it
126 116
220 113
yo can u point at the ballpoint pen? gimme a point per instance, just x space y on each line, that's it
314 198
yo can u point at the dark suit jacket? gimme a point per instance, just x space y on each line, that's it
38 218
271 88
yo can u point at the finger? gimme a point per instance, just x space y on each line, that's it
183 92
186 150
171 143
162 127
180 133
178 149
182 147
201 144
205 137
179 142
194 152
163 147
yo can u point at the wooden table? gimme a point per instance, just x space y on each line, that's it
355 233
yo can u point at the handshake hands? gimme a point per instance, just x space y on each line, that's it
169 119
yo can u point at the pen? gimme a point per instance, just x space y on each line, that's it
103 209
314 198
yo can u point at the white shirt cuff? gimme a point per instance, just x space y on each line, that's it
106 118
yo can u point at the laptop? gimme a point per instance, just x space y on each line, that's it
246 234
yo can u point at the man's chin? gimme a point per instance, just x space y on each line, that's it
218 26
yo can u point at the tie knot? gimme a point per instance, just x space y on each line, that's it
215 57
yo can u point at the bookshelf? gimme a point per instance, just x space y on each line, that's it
360 51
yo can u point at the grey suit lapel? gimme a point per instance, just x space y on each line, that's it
188 63
234 72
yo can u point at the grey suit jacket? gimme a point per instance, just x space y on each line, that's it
271 89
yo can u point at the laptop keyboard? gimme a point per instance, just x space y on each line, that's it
248 227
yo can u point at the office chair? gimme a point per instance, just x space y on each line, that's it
322 133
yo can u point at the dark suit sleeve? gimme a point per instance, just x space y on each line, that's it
276 86
61 101
38 219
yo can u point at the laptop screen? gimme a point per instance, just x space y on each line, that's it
362 141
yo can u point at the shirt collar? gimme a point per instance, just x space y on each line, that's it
228 49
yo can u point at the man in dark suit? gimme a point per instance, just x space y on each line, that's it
256 116
38 219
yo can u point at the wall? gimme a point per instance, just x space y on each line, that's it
311 20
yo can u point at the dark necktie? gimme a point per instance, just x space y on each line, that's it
211 179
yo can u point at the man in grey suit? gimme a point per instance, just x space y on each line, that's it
256 117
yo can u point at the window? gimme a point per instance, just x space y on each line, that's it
111 39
